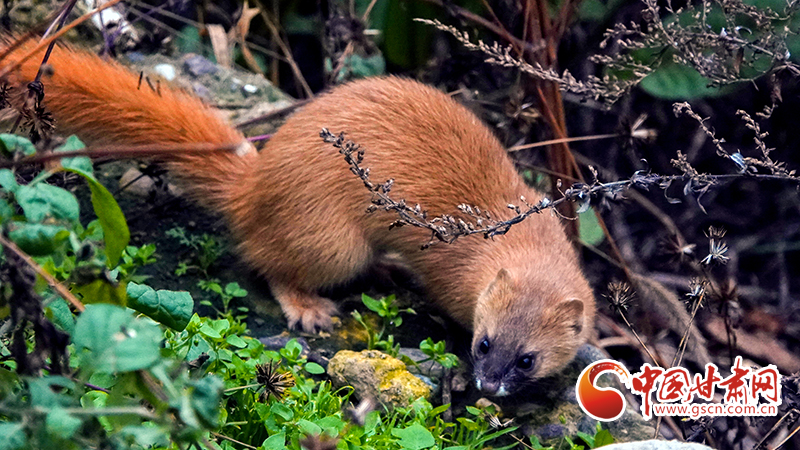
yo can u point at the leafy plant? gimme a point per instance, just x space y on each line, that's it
600 438
436 352
389 314
206 250
226 294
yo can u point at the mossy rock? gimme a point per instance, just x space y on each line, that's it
374 374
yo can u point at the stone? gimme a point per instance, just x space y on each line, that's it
657 445
374 374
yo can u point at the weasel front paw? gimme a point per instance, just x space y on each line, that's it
310 312
312 318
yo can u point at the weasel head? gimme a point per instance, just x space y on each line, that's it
526 329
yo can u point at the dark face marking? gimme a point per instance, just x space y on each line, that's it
499 371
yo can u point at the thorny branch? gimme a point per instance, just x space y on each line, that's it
594 88
723 57
446 228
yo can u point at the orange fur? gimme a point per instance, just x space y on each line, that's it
299 214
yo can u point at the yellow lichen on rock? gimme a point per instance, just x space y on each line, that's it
375 374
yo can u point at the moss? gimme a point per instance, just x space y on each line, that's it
374 374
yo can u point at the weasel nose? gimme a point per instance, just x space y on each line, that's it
489 387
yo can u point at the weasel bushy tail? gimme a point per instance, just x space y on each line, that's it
104 103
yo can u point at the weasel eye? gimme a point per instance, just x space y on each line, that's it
483 347
525 362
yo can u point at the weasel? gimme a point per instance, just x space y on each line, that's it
299 218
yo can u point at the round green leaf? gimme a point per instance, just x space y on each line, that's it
13 436
37 239
43 200
58 312
50 392
672 81
274 442
11 143
147 436
314 368
61 424
8 181
81 163
206 394
173 309
6 211
415 437
109 338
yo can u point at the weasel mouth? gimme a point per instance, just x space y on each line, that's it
492 388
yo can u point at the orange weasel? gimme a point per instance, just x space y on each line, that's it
299 217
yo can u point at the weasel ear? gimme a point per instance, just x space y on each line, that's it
503 279
570 312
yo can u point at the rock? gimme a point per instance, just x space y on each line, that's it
279 341
427 368
553 408
657 445
197 65
135 182
239 95
166 70
276 343
374 374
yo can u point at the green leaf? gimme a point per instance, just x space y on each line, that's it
603 437
314 368
109 338
439 409
13 436
597 10
308 427
206 394
673 81
102 291
274 442
236 341
41 200
282 411
589 228
189 40
6 211
331 425
474 411
8 181
77 163
62 424
9 381
37 239
371 303
11 143
172 308
50 392
234 290
415 437
589 439
58 312
147 436
116 234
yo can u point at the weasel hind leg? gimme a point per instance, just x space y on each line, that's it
302 309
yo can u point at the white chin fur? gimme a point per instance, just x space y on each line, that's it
502 392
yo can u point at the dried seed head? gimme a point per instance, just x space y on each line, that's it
619 296
273 382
